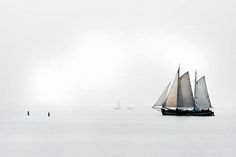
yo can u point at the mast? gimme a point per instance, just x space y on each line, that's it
195 83
178 89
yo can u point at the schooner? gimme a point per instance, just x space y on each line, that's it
178 99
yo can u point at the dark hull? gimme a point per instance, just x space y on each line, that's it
169 112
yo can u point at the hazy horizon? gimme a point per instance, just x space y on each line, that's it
68 53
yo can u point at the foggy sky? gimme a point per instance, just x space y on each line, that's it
95 52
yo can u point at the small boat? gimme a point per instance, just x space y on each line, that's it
118 107
178 100
130 108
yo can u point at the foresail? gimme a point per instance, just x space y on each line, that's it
162 98
185 96
171 100
202 98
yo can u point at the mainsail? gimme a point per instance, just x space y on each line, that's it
171 100
185 96
162 98
202 100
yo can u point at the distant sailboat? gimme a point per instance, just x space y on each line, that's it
177 98
130 108
118 107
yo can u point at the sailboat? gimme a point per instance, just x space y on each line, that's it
118 107
178 99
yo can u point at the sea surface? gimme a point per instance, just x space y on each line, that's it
106 132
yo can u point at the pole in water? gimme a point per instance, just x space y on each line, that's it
28 113
49 114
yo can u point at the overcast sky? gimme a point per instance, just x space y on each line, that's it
95 52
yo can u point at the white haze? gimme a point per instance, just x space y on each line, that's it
76 59
95 52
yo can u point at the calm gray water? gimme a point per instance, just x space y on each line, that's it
84 132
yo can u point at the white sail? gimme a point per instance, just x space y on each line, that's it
162 98
185 96
202 100
171 100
